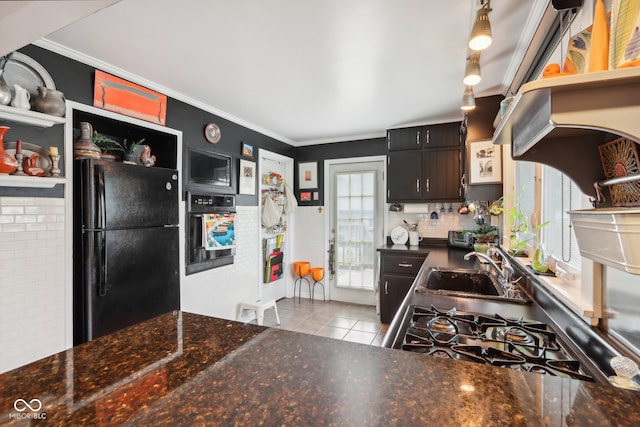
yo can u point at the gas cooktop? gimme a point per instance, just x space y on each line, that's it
514 343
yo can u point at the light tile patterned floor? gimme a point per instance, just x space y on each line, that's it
333 319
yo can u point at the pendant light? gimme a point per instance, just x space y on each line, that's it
481 33
472 71
468 99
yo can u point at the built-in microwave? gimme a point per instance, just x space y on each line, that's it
209 171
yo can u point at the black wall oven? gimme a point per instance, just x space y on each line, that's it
211 239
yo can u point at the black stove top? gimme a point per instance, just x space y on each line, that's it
521 344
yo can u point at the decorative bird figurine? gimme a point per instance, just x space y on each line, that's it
147 158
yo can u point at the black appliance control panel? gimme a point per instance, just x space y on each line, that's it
211 202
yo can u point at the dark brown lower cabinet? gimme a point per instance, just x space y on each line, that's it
397 273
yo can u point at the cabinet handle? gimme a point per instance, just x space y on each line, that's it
427 185
428 136
417 137
417 185
402 264
386 285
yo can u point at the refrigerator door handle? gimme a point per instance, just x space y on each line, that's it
102 212
102 267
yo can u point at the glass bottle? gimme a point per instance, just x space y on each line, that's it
539 261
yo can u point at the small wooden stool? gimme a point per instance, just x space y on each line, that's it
259 306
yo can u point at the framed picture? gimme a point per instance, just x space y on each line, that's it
485 162
305 196
308 175
121 96
247 150
247 181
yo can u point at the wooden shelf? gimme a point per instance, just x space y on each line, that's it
29 117
30 181
561 121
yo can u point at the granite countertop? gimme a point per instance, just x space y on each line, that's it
188 369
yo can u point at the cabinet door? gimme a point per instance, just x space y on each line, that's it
392 292
442 135
405 138
442 175
404 176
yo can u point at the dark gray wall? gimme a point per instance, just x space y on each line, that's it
480 127
76 80
337 150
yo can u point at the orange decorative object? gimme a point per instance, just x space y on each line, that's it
317 273
30 165
599 48
8 163
301 268
116 94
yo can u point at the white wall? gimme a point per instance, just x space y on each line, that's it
32 279
309 242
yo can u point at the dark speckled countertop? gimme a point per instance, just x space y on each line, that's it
187 369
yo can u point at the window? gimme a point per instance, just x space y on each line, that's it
355 246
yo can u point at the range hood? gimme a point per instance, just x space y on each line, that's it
560 121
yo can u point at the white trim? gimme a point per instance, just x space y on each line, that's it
531 26
327 212
68 195
96 63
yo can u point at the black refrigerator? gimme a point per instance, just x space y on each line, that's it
126 246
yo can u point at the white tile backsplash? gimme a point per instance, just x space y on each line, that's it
434 228
32 279
218 292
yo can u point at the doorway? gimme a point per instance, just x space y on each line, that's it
274 239
355 201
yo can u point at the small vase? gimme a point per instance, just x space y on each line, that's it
8 163
481 247
49 101
515 243
539 261
84 147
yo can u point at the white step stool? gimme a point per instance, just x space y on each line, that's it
259 306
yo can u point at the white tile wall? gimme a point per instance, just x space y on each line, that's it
434 228
32 279
218 292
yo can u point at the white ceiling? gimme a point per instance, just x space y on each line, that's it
305 71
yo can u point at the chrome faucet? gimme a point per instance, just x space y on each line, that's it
505 274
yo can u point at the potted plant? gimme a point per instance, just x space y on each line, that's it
539 261
519 223
127 148
482 237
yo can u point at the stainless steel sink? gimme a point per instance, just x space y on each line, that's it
467 283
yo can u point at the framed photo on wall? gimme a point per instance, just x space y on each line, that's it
247 184
247 150
485 162
308 175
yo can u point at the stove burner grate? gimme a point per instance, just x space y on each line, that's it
500 341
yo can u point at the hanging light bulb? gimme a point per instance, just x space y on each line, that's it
472 71
468 99
481 33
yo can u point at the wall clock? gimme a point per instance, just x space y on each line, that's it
212 133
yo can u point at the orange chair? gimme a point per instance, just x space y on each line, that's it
301 269
317 274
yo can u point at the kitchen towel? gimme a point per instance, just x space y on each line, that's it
292 202
270 214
